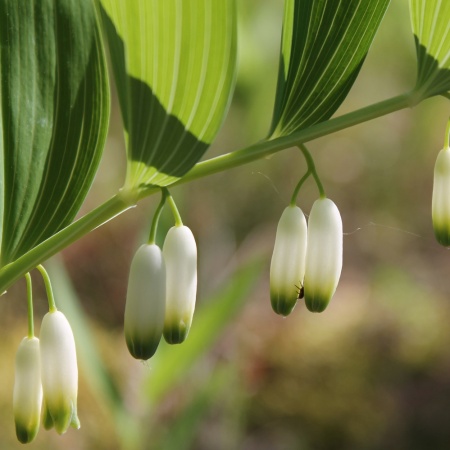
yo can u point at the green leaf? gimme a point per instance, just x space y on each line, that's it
54 115
323 47
174 64
172 362
431 27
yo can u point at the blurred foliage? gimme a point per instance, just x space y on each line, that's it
372 372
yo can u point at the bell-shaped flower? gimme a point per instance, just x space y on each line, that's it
323 254
441 198
27 396
146 302
287 267
180 256
59 373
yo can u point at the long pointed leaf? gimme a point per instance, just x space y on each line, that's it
431 26
55 109
174 63
323 47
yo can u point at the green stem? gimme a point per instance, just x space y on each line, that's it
152 237
125 199
312 169
30 306
104 213
266 148
174 209
48 287
298 187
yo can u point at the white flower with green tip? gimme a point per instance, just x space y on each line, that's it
27 395
441 197
59 373
323 254
287 267
146 302
180 256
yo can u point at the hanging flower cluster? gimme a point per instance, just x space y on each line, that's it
162 288
46 375
307 260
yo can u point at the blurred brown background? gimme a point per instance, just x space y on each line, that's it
372 372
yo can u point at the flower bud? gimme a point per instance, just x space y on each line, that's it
59 373
323 254
146 302
441 198
27 396
180 255
287 267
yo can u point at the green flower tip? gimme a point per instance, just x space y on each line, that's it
142 348
316 304
283 304
176 333
61 419
26 432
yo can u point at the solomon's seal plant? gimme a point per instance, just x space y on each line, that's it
174 84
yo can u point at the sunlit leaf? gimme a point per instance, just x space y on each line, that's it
174 63
323 47
431 26
54 114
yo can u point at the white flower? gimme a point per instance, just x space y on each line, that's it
146 302
323 254
27 396
441 197
180 255
59 372
287 267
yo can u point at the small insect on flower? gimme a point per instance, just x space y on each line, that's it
59 373
301 292
27 397
288 260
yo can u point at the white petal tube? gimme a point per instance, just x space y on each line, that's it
59 372
180 256
440 210
287 267
146 302
27 396
323 254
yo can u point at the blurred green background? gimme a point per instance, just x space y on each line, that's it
372 372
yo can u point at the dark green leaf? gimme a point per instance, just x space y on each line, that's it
174 63
54 113
323 47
